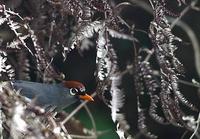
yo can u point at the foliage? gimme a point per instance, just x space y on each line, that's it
47 29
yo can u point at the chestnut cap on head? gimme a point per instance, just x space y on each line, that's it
77 89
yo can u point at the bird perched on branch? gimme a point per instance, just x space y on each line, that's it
56 96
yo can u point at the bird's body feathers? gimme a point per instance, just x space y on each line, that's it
46 95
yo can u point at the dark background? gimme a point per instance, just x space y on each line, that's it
82 66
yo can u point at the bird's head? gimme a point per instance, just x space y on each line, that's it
77 89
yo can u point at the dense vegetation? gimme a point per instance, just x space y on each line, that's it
141 59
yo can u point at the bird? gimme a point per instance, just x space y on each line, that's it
58 96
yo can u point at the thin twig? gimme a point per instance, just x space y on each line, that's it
143 5
151 4
92 119
188 83
45 71
150 53
197 127
51 32
65 131
184 134
52 121
83 137
1 123
193 3
76 110
194 41
156 73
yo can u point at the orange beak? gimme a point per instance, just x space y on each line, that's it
86 97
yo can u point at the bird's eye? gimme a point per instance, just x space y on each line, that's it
73 91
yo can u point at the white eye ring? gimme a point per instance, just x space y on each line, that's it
73 91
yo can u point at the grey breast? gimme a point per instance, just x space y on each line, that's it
45 94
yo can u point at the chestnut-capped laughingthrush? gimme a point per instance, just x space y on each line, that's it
58 96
